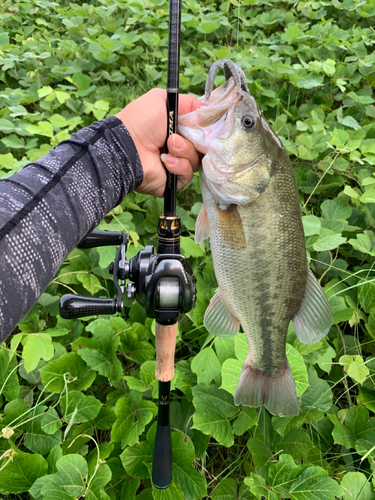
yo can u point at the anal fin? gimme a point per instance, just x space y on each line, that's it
314 317
218 320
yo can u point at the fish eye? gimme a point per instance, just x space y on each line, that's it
248 122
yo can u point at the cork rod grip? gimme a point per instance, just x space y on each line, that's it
165 346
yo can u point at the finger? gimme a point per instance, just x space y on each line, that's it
182 148
187 104
180 167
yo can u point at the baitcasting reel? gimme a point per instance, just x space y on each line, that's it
163 283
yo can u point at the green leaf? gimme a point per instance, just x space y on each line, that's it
206 365
36 347
368 196
106 418
4 39
318 395
336 209
314 484
42 128
283 425
224 348
82 408
283 474
341 434
213 408
58 121
329 67
72 471
90 282
339 137
97 483
356 369
69 365
296 443
21 472
189 248
191 482
362 243
99 352
36 439
209 27
328 241
226 490
298 367
245 420
6 126
107 256
311 225
261 455
51 422
81 81
133 414
13 142
15 409
293 31
366 295
259 487
7 160
135 459
8 376
356 486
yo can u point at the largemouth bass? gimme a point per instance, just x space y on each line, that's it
252 214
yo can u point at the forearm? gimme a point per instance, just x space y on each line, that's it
51 204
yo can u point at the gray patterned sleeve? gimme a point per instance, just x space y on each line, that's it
51 204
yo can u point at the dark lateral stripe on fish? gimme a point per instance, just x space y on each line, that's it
231 228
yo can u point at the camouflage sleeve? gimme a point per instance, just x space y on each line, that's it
51 204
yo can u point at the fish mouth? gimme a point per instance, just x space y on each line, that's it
230 70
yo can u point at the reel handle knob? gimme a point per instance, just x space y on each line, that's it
77 306
101 239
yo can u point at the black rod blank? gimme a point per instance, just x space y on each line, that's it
162 467
172 97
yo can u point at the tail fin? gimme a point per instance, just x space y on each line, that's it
276 391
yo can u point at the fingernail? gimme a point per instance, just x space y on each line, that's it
178 142
169 159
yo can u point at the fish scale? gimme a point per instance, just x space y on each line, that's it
251 213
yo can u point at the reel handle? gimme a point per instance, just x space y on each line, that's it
78 306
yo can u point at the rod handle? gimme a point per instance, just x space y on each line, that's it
165 340
162 458
77 306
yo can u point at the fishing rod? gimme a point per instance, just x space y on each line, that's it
169 230
163 282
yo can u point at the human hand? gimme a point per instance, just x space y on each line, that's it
146 120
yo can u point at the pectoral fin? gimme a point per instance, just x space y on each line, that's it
218 320
231 228
314 318
202 229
